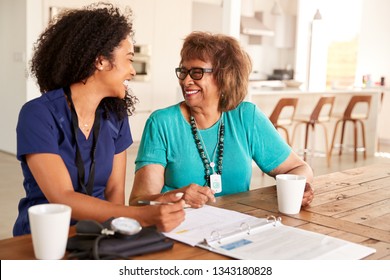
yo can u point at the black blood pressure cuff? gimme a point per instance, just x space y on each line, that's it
91 242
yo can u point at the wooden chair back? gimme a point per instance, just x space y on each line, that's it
324 104
282 104
355 100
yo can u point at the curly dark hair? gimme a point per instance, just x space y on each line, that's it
65 53
231 64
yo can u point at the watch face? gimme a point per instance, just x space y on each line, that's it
125 226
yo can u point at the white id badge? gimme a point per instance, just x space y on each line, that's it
216 183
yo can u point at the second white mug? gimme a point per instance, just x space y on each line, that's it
290 189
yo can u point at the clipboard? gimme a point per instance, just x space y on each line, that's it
241 236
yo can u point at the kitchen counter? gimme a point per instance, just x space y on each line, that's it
267 97
278 87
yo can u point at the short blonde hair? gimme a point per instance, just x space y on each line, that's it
231 64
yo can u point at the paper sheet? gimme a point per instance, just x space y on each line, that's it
288 243
202 222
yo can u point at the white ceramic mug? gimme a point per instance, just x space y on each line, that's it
49 225
290 189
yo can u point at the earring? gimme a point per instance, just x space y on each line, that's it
101 68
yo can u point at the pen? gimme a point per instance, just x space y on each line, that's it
149 202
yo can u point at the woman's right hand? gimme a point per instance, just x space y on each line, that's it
165 216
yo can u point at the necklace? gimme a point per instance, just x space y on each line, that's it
85 127
212 180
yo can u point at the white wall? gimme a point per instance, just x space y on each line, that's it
34 25
374 54
12 71
210 19
374 41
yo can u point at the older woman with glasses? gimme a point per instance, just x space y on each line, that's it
204 146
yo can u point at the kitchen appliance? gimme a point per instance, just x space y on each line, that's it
141 62
251 22
281 74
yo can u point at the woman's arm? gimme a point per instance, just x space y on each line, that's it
115 188
149 180
294 165
148 183
53 179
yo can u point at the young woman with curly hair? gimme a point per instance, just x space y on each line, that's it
72 140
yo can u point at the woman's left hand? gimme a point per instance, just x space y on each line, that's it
196 196
308 195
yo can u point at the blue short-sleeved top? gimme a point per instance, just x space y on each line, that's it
249 135
44 126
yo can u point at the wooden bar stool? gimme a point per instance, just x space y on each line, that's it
283 115
355 118
320 115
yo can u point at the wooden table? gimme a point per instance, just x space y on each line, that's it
353 205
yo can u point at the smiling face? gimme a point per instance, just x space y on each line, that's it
115 76
202 93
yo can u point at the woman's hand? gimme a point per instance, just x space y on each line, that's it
308 195
165 216
195 196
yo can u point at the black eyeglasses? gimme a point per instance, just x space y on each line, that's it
195 73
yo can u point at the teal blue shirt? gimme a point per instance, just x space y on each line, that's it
249 135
